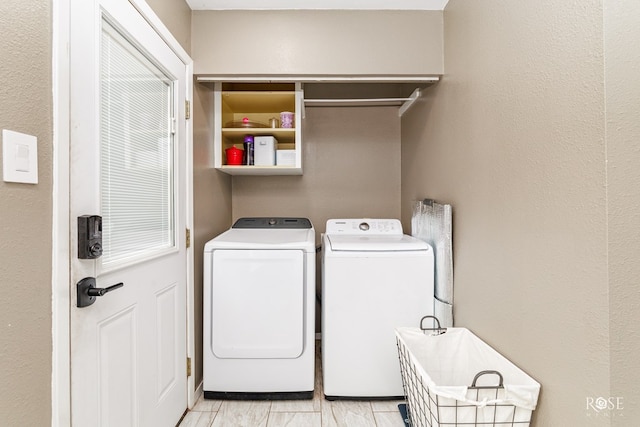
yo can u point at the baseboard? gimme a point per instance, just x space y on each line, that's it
197 394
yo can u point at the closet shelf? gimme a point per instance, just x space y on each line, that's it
246 78
344 91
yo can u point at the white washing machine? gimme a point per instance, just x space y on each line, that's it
259 310
374 279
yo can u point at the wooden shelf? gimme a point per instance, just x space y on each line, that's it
236 135
237 104
261 170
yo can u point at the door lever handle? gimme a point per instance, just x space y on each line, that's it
87 291
98 292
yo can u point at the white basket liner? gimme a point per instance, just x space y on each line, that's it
449 362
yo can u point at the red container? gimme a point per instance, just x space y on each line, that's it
234 156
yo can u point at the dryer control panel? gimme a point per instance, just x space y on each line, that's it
272 222
364 226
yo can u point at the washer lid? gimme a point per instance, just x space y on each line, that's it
260 238
375 243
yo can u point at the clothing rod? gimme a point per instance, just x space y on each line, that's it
356 100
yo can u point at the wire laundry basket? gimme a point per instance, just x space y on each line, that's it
437 364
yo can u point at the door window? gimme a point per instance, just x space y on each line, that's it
137 153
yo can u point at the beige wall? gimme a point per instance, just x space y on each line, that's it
320 42
176 15
622 60
514 138
25 218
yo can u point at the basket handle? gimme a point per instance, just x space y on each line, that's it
438 328
481 373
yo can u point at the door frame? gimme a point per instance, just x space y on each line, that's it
61 300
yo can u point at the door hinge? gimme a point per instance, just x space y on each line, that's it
188 238
187 109
188 367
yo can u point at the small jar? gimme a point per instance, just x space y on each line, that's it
234 155
286 119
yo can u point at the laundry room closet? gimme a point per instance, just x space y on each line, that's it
350 150
356 84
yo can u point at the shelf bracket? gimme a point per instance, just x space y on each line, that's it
412 98
300 87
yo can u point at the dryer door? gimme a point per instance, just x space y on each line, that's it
257 304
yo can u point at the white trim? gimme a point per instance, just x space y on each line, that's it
189 222
318 4
61 300
412 99
60 295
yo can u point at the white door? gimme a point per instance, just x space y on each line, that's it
128 160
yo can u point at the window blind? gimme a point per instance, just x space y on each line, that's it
137 153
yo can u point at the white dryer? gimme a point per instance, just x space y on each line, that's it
374 279
259 310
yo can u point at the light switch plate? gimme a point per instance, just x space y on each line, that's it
19 157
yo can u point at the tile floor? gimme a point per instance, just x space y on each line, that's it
317 412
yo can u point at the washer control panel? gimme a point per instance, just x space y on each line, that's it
364 226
